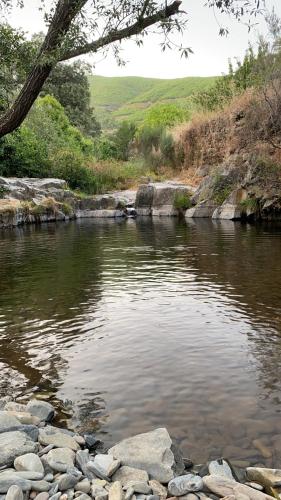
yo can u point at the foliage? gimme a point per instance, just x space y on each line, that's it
164 115
182 201
222 187
123 139
69 165
105 148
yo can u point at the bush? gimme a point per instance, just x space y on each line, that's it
68 165
105 149
182 201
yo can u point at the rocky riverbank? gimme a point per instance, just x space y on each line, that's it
40 461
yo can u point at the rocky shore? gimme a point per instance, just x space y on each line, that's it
40 461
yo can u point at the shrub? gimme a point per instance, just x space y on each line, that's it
105 149
68 165
182 201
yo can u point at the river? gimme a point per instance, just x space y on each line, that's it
134 324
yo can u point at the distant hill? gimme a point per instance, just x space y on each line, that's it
128 98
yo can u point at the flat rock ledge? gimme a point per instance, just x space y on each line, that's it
40 461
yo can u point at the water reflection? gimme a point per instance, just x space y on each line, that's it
136 324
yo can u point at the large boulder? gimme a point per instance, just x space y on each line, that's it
203 209
158 199
14 444
232 207
144 199
153 452
41 409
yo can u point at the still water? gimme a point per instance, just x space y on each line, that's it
132 325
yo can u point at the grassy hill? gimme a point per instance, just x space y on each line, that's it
128 98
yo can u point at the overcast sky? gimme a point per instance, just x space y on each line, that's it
211 51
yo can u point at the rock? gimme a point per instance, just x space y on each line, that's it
82 460
98 490
41 409
164 197
79 439
104 465
83 486
231 209
255 485
42 496
56 496
7 421
40 485
181 485
84 496
203 209
189 496
49 477
116 492
264 450
126 474
152 497
13 406
54 489
14 493
91 441
59 459
24 474
129 493
139 487
152 452
29 461
224 487
158 489
269 478
70 479
24 417
23 484
51 435
14 444
144 199
220 468
30 430
45 450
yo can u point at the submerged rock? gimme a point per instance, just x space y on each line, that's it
152 452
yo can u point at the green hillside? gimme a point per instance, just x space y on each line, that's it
128 98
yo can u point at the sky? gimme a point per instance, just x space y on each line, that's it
211 51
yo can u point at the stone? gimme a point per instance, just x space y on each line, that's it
104 465
91 441
189 496
153 452
181 485
144 199
255 485
41 409
269 478
152 497
231 209
24 474
59 459
54 489
139 487
79 439
84 496
13 406
129 493
116 492
56 496
42 496
158 489
7 421
82 460
14 493
128 474
23 484
40 485
24 417
220 468
29 461
69 480
45 450
98 490
14 444
223 487
49 477
203 209
51 435
84 486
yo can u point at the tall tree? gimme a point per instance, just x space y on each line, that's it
77 27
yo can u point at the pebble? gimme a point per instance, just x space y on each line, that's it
59 459
49 477
139 487
79 439
67 481
220 468
84 496
29 462
56 496
116 492
105 465
45 450
83 486
40 485
181 485
129 493
42 496
41 409
14 493
158 489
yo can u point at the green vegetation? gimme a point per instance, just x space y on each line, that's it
222 188
129 98
182 201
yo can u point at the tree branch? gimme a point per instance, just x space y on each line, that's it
114 36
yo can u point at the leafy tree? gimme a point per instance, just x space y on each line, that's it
123 139
74 28
164 115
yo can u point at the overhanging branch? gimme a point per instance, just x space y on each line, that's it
114 36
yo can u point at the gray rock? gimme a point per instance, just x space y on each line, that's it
152 497
256 486
51 435
204 209
13 406
152 452
24 417
14 493
24 474
129 493
84 496
104 465
42 496
29 461
91 466
82 459
49 477
41 409
59 459
116 492
84 486
231 209
127 474
14 444
220 468
40 485
98 490
266 477
31 430
56 496
45 450
7 421
139 487
181 485
67 481
54 489
23 484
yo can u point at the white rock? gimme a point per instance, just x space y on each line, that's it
104 465
116 492
152 452
139 487
224 487
29 461
14 444
126 474
51 435
181 485
14 493
59 459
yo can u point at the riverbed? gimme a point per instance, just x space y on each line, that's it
130 325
